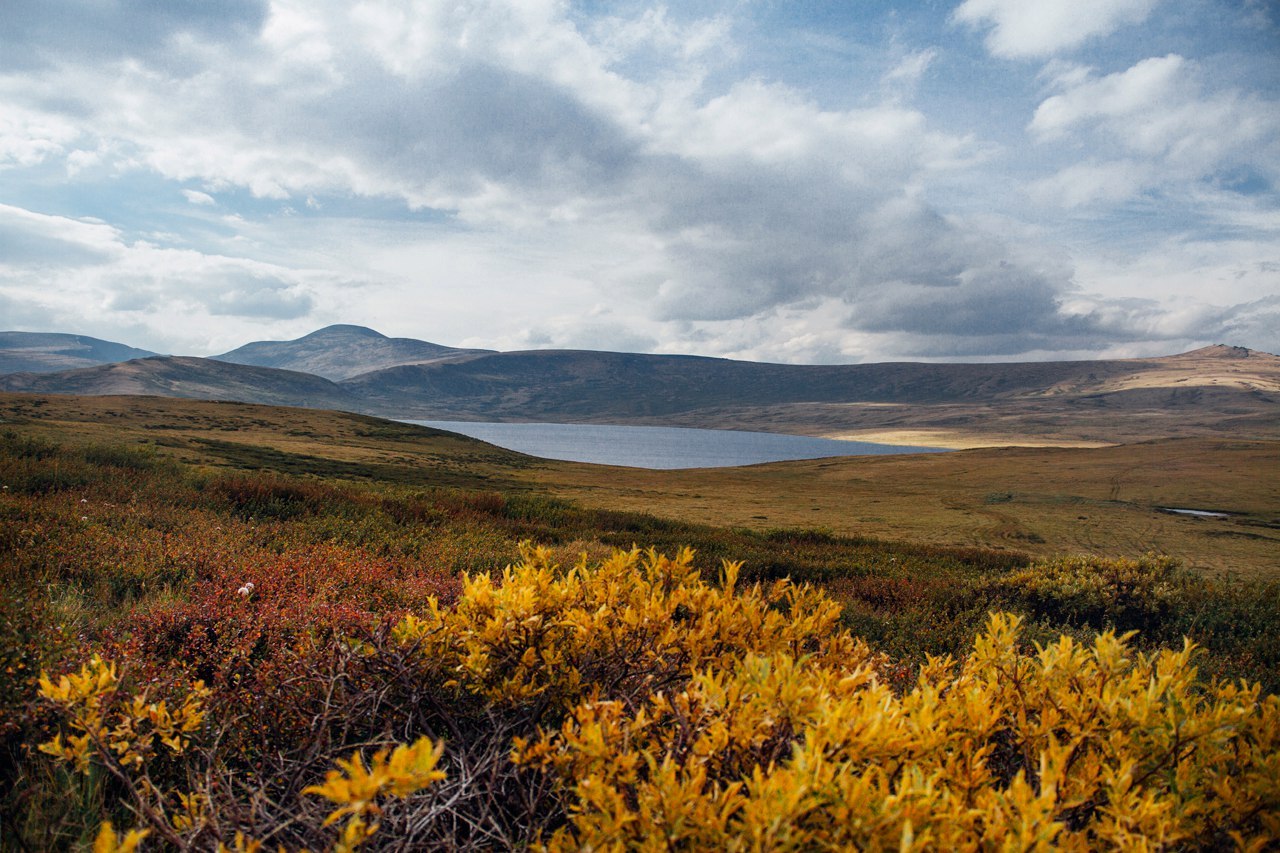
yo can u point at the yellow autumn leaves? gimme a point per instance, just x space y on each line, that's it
637 623
1071 746
124 728
674 712
355 787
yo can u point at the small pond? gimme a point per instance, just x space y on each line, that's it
1197 513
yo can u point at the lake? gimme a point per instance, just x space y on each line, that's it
661 447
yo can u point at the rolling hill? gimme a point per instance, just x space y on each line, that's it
48 352
340 352
191 378
1213 391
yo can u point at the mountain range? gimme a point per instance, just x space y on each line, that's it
1218 390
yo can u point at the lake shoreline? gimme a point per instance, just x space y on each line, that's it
663 447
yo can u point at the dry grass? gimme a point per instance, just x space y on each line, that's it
1103 501
1044 501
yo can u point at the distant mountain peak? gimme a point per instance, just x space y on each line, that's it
339 352
1225 351
346 330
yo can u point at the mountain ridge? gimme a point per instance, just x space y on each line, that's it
1218 390
50 352
189 377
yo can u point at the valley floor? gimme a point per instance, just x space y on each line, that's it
1041 500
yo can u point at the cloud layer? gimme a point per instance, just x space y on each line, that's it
528 174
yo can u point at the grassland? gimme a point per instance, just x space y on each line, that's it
1106 501
129 525
1043 501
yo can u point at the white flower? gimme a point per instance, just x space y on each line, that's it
84 518
244 590
249 586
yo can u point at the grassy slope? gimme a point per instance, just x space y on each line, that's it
1043 501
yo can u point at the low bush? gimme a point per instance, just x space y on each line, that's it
1103 593
632 704
714 702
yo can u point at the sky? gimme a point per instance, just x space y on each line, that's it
774 180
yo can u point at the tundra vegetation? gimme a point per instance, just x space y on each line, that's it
266 654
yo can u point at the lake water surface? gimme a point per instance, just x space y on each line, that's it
661 447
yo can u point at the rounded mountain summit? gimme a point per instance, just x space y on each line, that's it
341 351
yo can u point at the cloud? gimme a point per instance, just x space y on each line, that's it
20 315
1022 29
258 295
1089 183
589 333
34 241
655 33
44 32
532 163
64 268
911 67
29 137
1160 128
1147 87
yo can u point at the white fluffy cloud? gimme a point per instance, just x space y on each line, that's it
63 268
1132 97
1021 29
543 176
1160 128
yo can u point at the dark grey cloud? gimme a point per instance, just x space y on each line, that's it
1115 321
450 133
765 241
983 302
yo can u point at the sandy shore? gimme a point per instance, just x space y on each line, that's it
957 439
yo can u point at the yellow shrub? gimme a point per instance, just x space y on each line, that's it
105 723
636 623
355 787
676 713
1072 746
